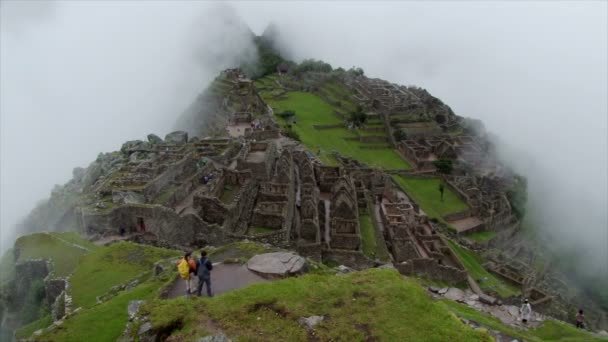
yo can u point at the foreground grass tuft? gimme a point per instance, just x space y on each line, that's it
118 263
368 305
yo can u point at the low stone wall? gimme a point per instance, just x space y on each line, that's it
268 220
212 210
313 251
53 288
263 134
275 238
346 241
457 216
373 138
320 127
404 250
163 222
430 268
375 147
352 259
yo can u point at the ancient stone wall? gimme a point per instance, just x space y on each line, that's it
163 222
352 259
185 166
432 269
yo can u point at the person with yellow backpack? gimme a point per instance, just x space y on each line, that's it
185 267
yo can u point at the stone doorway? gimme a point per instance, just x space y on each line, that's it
141 225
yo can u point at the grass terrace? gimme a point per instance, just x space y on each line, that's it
312 110
486 280
116 264
63 254
369 305
482 236
425 191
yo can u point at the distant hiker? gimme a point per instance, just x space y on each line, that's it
441 189
183 267
204 274
121 230
526 311
580 319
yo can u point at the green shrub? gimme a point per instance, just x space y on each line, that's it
443 166
518 196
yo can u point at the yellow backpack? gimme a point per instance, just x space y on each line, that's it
184 269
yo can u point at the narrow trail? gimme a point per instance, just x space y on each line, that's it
224 278
69 243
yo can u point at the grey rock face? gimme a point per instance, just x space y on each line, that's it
484 298
455 294
135 145
127 197
178 137
215 338
154 139
310 322
278 264
133 307
344 269
145 328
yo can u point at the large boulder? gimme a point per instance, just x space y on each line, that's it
135 145
127 197
154 139
178 138
455 294
278 264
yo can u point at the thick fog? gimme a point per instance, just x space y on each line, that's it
81 78
535 73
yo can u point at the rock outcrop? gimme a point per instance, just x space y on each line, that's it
278 264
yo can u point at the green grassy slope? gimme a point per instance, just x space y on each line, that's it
104 322
426 193
548 331
64 256
7 267
491 283
368 305
118 263
312 110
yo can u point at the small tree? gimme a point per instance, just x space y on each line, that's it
399 135
358 117
518 196
443 166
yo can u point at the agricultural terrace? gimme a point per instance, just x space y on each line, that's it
312 110
425 191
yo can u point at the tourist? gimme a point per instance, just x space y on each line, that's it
204 274
580 319
441 189
183 267
526 311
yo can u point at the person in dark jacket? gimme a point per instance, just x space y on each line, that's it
580 319
204 267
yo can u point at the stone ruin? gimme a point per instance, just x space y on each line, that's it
424 151
413 242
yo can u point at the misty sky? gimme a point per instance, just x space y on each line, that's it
79 78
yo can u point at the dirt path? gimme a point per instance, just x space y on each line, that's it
224 278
